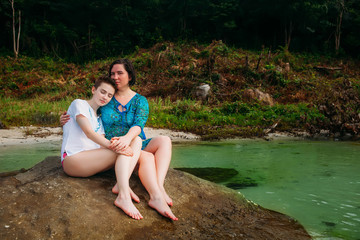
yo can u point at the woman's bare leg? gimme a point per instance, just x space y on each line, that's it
147 175
161 147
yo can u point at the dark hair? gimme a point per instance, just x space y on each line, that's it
128 67
105 79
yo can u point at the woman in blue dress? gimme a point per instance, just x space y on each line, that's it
126 115
124 119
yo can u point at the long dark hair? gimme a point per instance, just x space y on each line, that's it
128 67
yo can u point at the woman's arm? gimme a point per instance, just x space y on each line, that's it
141 115
64 118
130 135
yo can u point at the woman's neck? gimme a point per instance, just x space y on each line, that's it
124 92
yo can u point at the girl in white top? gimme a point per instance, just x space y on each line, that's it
85 151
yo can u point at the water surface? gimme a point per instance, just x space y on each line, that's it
315 182
15 157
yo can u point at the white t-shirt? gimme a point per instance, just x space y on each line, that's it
74 139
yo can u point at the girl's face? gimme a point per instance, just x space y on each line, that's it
103 94
120 75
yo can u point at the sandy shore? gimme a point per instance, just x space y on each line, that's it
31 135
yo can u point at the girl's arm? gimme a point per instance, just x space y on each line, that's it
99 138
90 133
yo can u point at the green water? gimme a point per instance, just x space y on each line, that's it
15 157
315 182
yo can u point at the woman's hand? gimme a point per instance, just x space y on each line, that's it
121 142
126 151
119 146
64 118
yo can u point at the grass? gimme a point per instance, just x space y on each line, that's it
36 111
230 119
36 91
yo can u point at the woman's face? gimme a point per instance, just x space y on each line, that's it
103 94
120 75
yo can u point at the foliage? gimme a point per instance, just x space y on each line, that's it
82 30
308 93
15 112
230 119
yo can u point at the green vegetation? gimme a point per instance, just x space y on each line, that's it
84 30
230 119
310 92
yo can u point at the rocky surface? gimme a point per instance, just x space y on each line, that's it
44 203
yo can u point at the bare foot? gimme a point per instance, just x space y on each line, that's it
128 207
161 206
166 197
115 190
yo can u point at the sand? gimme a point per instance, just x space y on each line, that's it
31 135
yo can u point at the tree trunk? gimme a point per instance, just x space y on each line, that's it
338 25
16 41
288 32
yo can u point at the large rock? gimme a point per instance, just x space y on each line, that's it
44 203
265 98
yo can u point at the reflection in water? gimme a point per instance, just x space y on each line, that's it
317 183
211 174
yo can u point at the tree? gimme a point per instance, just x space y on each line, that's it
16 41
341 10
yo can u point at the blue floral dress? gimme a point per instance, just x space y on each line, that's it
117 123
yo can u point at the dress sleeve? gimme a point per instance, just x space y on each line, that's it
141 113
80 107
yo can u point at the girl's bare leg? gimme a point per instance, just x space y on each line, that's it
161 147
133 195
147 174
136 147
124 166
88 163
123 199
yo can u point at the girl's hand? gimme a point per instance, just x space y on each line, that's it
118 146
116 143
64 118
125 151
120 142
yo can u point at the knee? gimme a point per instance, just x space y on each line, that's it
137 140
165 140
146 156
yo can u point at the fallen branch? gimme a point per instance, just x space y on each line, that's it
327 68
268 130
